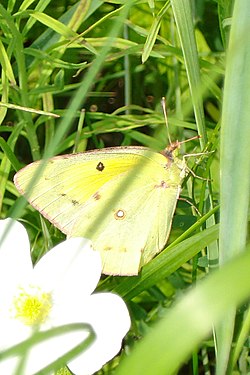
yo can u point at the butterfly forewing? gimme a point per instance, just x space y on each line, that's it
123 199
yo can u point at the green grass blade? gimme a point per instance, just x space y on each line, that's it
166 263
184 23
235 158
153 32
54 24
182 329
87 82
6 65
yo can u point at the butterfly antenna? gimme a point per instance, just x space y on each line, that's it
164 108
190 139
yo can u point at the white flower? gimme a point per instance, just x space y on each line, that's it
57 291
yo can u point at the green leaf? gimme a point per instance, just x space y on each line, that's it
54 24
6 65
153 32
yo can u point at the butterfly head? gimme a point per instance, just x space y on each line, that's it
172 150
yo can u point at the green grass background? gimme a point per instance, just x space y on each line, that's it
116 60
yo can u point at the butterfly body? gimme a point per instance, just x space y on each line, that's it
121 198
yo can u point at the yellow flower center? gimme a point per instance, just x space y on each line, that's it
32 305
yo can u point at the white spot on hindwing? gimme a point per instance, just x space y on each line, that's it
120 214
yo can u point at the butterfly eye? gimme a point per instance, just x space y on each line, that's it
120 215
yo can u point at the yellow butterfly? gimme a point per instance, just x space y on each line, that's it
122 198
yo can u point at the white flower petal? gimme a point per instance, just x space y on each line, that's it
15 260
109 317
41 355
44 353
70 268
12 332
70 272
8 366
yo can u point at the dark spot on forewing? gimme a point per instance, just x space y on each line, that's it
75 202
100 166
